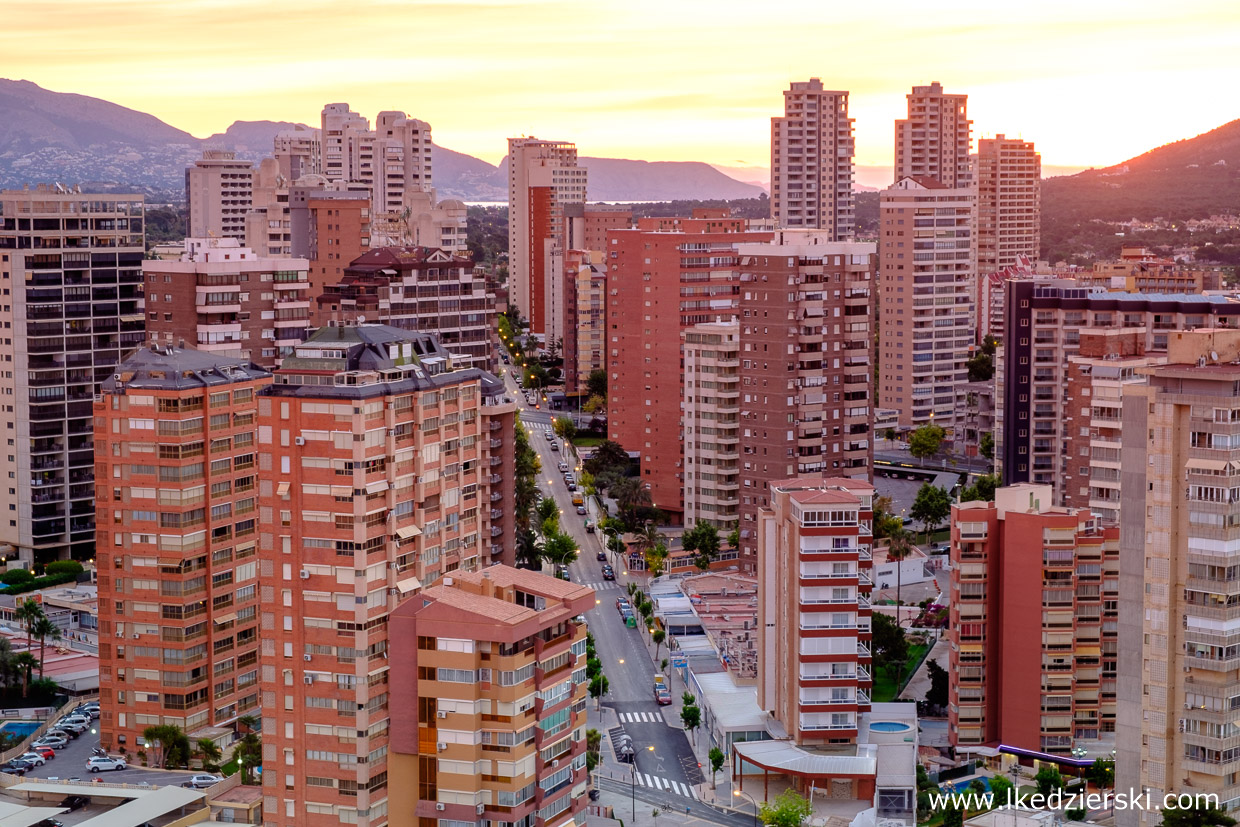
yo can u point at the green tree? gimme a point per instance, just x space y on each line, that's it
24 665
716 758
889 434
691 717
932 506
937 694
564 428
986 445
606 456
658 637
598 688
44 628
648 539
703 540
594 745
174 748
656 560
210 753
594 404
734 538
983 489
885 522
529 553
1048 779
17 577
1001 788
899 547
596 383
630 496
1201 816
536 376
1102 772
249 754
789 809
1076 814
926 441
981 367
27 614
953 817
559 549
890 648
547 510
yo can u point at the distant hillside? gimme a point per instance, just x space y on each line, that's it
1193 178
254 136
462 176
33 117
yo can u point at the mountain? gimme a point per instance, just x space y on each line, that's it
254 136
616 179
1192 178
31 116
462 176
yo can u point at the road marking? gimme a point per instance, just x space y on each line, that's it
693 794
655 782
674 787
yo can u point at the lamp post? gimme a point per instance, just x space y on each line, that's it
633 790
1079 754
751 801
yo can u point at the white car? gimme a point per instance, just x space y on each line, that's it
99 763
76 727
33 758
201 782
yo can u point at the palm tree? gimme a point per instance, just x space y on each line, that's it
6 663
43 629
25 663
629 494
247 722
658 637
899 546
210 753
529 553
28 613
648 539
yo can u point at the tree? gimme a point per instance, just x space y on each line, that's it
594 744
210 753
658 637
734 538
595 404
1000 788
703 539
691 717
547 510
559 549
1076 814
899 546
174 747
656 560
564 428
789 809
529 553
630 495
24 664
596 383
598 688
249 754
716 758
937 695
983 489
1102 772
648 539
890 434
885 522
17 577
607 455
1048 779
926 441
43 629
932 506
986 445
953 817
1202 816
890 646
981 367
28 613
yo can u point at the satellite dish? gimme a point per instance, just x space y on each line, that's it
361 320
1213 356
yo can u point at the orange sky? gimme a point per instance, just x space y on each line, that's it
1090 83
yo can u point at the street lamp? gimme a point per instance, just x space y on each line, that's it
751 801
1079 754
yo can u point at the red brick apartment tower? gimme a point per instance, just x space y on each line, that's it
814 580
1034 607
806 333
600 219
488 669
176 510
339 232
383 471
660 282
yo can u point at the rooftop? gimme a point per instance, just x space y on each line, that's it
160 367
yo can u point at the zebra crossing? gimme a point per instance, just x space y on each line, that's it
603 586
641 718
657 783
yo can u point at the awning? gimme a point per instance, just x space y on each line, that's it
225 618
971 647
1206 464
170 562
409 585
282 489
408 532
1088 652
376 486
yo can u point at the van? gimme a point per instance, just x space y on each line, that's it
578 499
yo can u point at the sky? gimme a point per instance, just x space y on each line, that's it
1091 83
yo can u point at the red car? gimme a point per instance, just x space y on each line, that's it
47 752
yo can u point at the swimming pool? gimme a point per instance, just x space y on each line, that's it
889 726
19 729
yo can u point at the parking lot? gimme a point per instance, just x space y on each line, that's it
70 762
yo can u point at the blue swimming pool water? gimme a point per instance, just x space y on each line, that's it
889 726
19 728
962 786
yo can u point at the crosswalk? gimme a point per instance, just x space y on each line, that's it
657 783
603 586
641 718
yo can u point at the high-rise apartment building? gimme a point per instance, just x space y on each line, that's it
329 227
176 439
347 145
267 227
488 669
1009 202
71 269
299 152
384 473
543 177
814 581
711 424
661 282
425 289
1034 592
934 140
600 219
219 192
806 371
812 161
223 298
403 159
585 321
1179 564
927 286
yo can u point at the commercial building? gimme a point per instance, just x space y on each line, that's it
1179 559
1009 202
176 443
812 162
219 192
543 177
585 317
806 371
661 281
927 286
383 459
488 669
814 560
71 264
1032 625
935 139
711 422
424 289
223 298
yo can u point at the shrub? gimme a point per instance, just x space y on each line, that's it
64 567
13 577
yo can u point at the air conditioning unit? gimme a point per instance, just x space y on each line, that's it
299 440
136 635
555 763
308 678
306 658
394 566
393 591
481 808
438 806
305 575
441 714
441 746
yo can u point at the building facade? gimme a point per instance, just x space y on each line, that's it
934 140
814 580
1033 668
223 298
71 266
812 152
219 192
585 317
493 662
176 440
392 460
1009 202
711 422
927 286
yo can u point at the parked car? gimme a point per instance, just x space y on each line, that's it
662 695
53 741
201 782
47 752
581 509
16 766
601 557
572 486
56 732
562 572
50 822
75 725
34 758
907 521
622 604
563 466
550 435
590 530
570 479
98 763
75 802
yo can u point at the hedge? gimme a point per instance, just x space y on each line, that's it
40 583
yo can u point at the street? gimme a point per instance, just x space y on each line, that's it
663 751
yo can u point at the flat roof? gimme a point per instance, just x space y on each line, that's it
787 757
735 708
